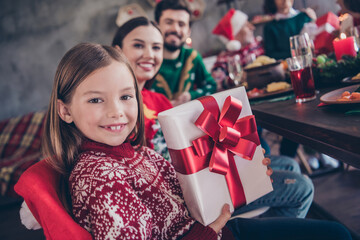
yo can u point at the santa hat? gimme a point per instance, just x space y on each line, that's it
229 26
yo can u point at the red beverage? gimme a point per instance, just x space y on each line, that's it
303 83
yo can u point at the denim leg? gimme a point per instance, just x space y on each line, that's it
293 192
284 163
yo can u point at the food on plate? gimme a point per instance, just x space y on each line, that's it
347 96
255 92
271 87
356 77
276 86
260 61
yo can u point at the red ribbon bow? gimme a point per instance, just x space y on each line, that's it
225 137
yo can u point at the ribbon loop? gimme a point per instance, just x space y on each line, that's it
208 124
230 111
229 136
222 166
203 145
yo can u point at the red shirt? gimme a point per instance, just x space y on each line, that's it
255 48
154 103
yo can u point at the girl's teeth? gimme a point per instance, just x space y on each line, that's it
115 128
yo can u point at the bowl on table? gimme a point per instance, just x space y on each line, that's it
261 76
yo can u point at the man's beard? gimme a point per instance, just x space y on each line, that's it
170 46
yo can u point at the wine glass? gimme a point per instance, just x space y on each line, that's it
355 31
235 70
301 45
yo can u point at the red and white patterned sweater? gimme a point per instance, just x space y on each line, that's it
126 193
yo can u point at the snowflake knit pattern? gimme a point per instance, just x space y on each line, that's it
126 193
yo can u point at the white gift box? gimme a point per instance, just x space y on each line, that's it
206 192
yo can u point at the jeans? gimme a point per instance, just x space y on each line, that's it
292 195
286 229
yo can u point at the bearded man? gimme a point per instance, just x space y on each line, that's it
182 76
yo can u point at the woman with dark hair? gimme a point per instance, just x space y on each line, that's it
287 22
142 43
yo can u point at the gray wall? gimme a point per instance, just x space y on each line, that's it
34 35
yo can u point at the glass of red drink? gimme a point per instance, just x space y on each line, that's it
302 79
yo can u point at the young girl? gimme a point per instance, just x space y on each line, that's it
94 135
287 22
119 188
142 43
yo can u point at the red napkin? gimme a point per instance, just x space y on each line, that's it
323 104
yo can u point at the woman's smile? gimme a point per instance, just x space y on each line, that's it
146 66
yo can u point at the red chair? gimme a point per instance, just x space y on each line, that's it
38 186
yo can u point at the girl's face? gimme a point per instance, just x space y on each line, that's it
143 47
104 106
284 6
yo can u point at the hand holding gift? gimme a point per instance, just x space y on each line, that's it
220 222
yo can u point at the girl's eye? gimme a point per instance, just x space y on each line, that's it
157 48
95 100
126 97
138 45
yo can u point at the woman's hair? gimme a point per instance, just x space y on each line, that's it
130 25
352 5
62 140
270 7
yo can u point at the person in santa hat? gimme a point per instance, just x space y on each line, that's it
237 33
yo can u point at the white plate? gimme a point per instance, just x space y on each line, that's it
271 94
331 97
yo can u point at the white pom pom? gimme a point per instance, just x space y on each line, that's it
27 219
233 45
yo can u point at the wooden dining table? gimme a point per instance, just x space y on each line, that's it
329 129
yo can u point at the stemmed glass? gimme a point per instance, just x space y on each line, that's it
235 69
301 45
355 31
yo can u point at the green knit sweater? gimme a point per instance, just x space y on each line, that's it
278 32
187 73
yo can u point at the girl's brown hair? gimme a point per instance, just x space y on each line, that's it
61 140
270 7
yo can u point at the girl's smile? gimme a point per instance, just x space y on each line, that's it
115 127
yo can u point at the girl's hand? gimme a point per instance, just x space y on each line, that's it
220 222
266 162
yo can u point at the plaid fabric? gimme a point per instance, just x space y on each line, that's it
20 141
